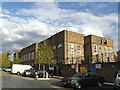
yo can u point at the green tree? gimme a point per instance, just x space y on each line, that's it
4 60
115 58
44 54
17 60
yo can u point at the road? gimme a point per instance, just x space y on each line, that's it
17 81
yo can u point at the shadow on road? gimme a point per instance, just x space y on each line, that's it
104 87
57 84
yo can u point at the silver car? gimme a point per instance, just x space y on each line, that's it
8 69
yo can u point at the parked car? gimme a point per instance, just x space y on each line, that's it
4 69
28 72
38 73
8 69
33 74
117 80
80 80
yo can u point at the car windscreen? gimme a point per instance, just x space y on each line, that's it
80 75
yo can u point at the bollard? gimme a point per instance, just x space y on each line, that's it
37 77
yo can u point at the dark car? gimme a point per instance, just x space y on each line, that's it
3 69
80 80
117 80
38 73
28 72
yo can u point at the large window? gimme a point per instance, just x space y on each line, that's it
59 45
71 49
110 52
105 52
54 47
79 50
29 56
32 55
78 61
26 57
100 50
100 40
105 41
71 61
95 49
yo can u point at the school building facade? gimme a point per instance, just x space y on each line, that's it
98 49
71 48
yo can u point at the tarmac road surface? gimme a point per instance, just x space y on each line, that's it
16 81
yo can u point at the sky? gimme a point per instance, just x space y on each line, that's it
24 23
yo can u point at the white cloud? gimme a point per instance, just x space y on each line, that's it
28 1
0 9
42 11
46 19
6 11
38 0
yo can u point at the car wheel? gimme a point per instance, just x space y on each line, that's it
18 73
99 84
78 85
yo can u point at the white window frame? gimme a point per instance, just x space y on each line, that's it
105 51
100 50
71 47
79 50
95 49
110 52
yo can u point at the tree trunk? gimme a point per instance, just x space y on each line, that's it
39 66
43 70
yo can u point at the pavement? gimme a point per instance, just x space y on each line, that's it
58 77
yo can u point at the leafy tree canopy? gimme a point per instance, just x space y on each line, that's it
44 54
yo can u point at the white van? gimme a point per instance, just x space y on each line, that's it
117 80
19 68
